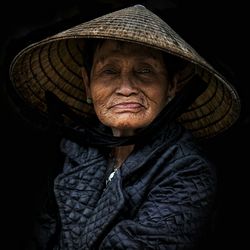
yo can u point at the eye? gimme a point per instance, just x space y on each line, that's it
143 70
109 71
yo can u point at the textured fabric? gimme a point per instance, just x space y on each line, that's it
160 198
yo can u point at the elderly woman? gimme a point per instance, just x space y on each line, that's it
129 96
129 85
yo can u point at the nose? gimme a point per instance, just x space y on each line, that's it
127 85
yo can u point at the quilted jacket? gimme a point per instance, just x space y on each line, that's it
161 197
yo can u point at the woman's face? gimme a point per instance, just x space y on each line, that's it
128 85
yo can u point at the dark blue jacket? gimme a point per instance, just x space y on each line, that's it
162 197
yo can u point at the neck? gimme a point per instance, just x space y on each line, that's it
121 153
123 132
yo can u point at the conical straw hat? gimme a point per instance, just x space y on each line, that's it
54 64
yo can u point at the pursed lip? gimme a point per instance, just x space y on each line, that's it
127 106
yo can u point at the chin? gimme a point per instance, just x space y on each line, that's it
129 125
126 122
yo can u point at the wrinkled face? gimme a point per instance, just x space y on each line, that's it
129 85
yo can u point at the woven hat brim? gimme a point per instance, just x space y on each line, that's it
54 64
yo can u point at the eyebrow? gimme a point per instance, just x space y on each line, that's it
140 57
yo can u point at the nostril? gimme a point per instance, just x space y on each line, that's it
127 89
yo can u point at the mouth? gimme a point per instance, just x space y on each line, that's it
128 107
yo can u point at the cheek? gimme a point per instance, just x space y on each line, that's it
98 93
100 98
99 102
159 97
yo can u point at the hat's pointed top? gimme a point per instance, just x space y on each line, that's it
139 6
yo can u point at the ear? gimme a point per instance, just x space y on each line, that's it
172 89
182 77
86 82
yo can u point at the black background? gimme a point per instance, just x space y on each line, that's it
216 29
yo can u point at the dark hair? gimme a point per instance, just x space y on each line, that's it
173 63
90 48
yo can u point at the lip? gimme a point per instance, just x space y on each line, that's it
127 106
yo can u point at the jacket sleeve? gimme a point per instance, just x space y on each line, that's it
175 212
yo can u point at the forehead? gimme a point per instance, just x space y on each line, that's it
111 48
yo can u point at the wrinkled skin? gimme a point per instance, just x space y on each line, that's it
129 85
